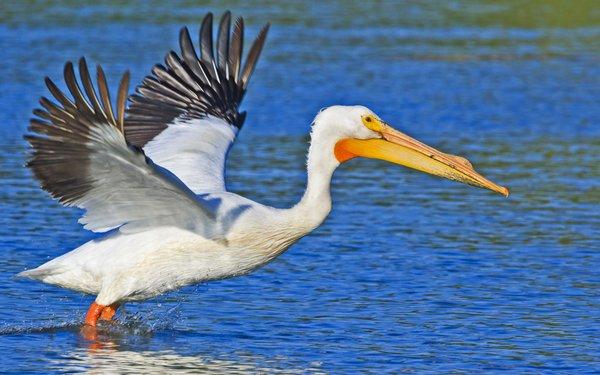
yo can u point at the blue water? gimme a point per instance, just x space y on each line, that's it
409 273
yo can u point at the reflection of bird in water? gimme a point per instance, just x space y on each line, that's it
153 173
112 359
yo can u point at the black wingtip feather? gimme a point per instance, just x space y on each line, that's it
206 39
253 55
223 41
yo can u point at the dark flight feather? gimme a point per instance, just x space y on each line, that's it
236 48
105 95
84 75
253 56
223 41
206 39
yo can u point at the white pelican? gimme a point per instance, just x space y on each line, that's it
152 175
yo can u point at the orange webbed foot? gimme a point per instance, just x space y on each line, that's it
93 313
102 312
109 311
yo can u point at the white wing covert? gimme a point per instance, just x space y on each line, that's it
185 115
81 158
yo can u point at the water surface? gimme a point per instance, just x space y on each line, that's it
410 272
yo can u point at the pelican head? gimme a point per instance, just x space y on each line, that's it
357 131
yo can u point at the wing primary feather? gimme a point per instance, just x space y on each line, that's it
223 42
71 82
179 70
253 55
53 109
42 114
236 49
66 102
162 88
189 54
206 45
84 74
171 79
105 95
121 101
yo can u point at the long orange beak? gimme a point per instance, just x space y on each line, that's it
397 147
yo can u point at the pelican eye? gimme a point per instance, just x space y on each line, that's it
372 123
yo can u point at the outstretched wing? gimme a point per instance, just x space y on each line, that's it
81 158
186 114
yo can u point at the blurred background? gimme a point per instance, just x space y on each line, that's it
410 272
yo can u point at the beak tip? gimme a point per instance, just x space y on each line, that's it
504 191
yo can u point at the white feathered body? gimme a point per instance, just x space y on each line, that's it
138 266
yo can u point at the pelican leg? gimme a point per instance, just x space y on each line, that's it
93 313
109 311
88 331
